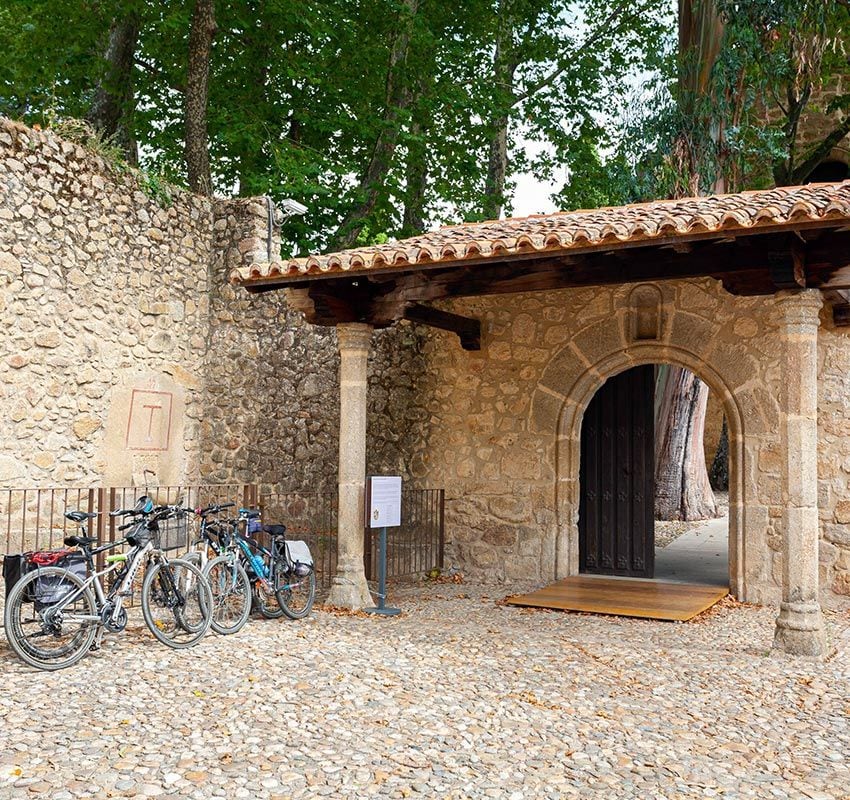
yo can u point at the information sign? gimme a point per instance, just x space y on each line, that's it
383 501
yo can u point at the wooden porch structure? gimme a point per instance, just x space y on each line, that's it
790 242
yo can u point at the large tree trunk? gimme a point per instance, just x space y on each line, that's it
504 69
416 182
682 490
718 475
113 105
398 98
196 150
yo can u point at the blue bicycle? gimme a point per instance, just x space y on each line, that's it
282 576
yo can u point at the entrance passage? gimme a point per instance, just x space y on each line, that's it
624 597
616 509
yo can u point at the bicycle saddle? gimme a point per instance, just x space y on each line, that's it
275 530
80 541
79 516
251 514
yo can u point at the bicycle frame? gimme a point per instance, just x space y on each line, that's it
101 598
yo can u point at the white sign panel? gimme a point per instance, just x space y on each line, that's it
384 502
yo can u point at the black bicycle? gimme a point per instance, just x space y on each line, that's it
215 553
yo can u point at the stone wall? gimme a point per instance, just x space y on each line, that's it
125 348
273 380
104 305
505 422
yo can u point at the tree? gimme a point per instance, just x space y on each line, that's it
396 101
201 34
113 105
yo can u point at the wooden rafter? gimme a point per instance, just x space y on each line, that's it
747 265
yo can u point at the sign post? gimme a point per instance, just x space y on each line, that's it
383 510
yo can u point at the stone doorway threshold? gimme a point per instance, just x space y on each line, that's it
624 597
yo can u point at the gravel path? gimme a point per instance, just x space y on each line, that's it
458 698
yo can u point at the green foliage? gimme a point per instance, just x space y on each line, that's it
744 130
299 95
156 187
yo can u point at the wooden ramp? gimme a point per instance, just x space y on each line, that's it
624 597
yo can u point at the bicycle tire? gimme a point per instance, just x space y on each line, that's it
296 601
227 579
160 598
266 601
24 646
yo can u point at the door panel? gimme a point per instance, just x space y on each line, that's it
616 519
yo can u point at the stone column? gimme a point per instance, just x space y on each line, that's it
799 626
349 589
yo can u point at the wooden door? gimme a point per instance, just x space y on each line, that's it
616 510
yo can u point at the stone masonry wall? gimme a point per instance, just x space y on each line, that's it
103 294
125 348
500 439
273 379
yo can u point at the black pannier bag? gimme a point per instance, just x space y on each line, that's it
15 566
50 589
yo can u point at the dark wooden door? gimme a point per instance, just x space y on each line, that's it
616 510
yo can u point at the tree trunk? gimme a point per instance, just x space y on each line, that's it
416 187
497 168
719 473
111 113
504 68
201 35
682 490
398 98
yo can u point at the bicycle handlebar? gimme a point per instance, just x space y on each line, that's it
212 509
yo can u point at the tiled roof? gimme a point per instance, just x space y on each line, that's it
573 231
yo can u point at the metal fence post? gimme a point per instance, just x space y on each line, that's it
367 553
441 555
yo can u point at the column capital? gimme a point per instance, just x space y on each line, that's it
800 307
354 336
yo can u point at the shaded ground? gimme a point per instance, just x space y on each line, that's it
458 698
667 532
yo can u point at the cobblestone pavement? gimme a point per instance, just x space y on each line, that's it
458 698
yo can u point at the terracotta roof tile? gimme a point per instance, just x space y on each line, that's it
573 231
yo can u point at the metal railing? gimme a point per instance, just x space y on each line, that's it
34 519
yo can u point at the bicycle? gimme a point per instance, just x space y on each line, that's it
53 617
229 582
273 573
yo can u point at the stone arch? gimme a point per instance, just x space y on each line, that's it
572 397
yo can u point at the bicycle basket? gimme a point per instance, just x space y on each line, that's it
174 533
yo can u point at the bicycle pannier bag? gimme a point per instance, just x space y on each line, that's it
299 556
49 589
15 566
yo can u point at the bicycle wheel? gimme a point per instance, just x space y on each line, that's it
58 635
262 593
231 594
176 603
295 594
265 601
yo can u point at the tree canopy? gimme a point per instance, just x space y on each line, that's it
385 117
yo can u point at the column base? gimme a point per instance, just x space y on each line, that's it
350 590
800 630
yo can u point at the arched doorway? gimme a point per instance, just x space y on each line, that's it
577 398
647 508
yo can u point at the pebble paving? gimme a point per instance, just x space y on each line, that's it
461 697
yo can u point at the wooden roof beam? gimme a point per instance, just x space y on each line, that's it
467 329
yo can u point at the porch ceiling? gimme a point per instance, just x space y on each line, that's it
755 242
